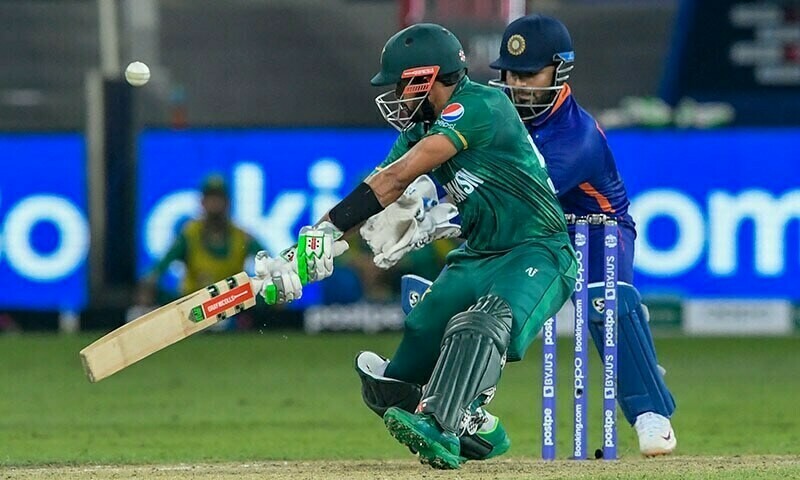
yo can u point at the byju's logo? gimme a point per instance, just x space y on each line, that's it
413 298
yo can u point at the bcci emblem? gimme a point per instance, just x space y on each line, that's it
611 241
516 44
580 239
599 304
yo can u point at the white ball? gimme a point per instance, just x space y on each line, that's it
137 74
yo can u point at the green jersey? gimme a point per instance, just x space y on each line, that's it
498 178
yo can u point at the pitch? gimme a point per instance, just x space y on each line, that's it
751 467
287 405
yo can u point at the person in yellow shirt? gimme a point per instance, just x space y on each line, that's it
211 247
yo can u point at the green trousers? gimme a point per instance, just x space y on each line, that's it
535 279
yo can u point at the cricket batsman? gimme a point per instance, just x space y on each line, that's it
517 267
536 56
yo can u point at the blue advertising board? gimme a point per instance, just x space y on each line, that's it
44 230
717 210
279 180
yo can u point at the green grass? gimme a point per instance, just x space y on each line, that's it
287 396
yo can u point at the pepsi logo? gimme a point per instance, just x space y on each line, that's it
452 112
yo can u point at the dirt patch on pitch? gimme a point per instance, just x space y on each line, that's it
761 467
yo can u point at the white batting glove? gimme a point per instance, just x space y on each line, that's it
413 221
310 261
280 281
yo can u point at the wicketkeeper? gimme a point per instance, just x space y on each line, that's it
536 58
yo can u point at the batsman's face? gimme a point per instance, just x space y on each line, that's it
410 100
402 106
440 96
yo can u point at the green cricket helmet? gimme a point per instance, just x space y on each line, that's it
412 60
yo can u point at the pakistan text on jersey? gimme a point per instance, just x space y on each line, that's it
463 183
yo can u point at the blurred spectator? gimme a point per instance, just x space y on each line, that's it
211 248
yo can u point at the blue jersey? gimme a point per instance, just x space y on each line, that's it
579 161
584 173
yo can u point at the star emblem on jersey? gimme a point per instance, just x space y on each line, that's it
516 44
452 112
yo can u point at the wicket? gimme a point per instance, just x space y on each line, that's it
580 300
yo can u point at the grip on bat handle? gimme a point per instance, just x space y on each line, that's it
272 291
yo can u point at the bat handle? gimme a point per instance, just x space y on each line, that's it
257 284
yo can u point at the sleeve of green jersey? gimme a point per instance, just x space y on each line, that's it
467 122
253 246
176 252
406 140
400 147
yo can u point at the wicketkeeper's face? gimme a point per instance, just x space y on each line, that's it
533 88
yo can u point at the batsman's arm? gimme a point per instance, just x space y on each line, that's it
318 245
386 185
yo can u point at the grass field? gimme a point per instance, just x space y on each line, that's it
286 405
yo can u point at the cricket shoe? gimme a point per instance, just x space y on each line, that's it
656 436
420 432
489 441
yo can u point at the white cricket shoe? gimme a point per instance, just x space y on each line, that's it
656 436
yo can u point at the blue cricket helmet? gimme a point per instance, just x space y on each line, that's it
533 42
530 44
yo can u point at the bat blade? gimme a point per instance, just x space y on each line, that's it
167 325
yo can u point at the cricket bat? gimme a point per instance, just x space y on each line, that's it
167 325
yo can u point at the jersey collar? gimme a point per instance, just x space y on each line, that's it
460 86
